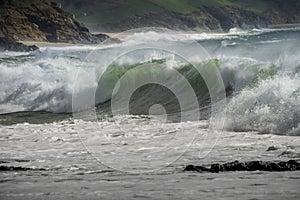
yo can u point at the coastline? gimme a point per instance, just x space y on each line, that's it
61 44
48 44
122 35
279 26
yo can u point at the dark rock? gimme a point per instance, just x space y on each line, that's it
234 166
196 168
13 160
255 165
9 44
272 148
101 37
215 168
42 21
291 165
15 168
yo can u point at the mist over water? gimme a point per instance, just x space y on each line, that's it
260 70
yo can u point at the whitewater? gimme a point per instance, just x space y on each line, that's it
127 116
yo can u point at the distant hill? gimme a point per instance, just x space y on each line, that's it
216 15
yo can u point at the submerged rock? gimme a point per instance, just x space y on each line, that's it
17 168
290 154
196 168
272 148
291 165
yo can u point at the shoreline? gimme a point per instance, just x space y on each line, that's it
122 35
281 26
48 44
61 44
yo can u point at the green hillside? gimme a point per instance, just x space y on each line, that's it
99 12
108 11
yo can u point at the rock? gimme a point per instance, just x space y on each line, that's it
290 154
10 44
101 37
216 168
291 165
272 148
234 166
15 168
196 168
42 21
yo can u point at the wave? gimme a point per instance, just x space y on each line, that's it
261 78
272 106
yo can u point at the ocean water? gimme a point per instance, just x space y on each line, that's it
122 120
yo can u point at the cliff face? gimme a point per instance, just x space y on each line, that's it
214 15
41 21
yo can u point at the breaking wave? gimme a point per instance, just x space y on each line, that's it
260 71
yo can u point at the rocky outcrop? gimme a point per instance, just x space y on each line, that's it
42 21
230 17
101 37
10 44
291 165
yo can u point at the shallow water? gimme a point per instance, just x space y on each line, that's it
74 173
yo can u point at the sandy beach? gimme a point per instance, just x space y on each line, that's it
47 44
60 44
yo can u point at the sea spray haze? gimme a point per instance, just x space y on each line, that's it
170 79
261 77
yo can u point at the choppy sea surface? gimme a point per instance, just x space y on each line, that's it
122 120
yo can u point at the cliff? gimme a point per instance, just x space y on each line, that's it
41 21
212 15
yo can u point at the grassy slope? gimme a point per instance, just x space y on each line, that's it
103 11
110 11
